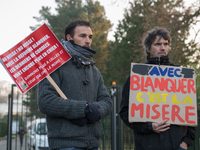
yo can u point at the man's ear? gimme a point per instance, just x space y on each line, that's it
68 36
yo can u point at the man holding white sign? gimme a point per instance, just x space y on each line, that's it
156 135
74 123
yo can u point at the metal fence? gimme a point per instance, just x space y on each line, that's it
124 135
23 110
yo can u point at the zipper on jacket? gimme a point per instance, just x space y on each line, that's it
159 61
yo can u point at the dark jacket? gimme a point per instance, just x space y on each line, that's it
144 136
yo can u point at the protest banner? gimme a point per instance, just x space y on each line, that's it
160 93
34 58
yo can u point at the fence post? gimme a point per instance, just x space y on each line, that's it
119 124
113 122
9 122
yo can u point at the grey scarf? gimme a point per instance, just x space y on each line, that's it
83 54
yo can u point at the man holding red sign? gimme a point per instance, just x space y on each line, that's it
74 123
157 135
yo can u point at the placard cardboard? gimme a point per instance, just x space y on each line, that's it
162 92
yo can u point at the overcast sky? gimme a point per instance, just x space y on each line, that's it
17 16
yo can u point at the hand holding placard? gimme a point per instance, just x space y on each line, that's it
160 126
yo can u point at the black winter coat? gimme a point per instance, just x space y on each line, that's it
144 136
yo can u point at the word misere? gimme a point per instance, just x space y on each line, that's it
177 85
165 114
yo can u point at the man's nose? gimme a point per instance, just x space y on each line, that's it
163 47
88 40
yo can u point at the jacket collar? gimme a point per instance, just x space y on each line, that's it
164 60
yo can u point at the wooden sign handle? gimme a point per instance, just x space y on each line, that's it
56 86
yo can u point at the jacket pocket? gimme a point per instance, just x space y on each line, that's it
72 130
98 129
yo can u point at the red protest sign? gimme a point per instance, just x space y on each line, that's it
34 58
160 93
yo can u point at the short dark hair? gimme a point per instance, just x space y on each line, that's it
151 36
71 27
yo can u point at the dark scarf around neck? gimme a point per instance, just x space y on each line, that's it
82 54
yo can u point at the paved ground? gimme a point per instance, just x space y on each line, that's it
15 145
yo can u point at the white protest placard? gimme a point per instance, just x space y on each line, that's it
160 93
